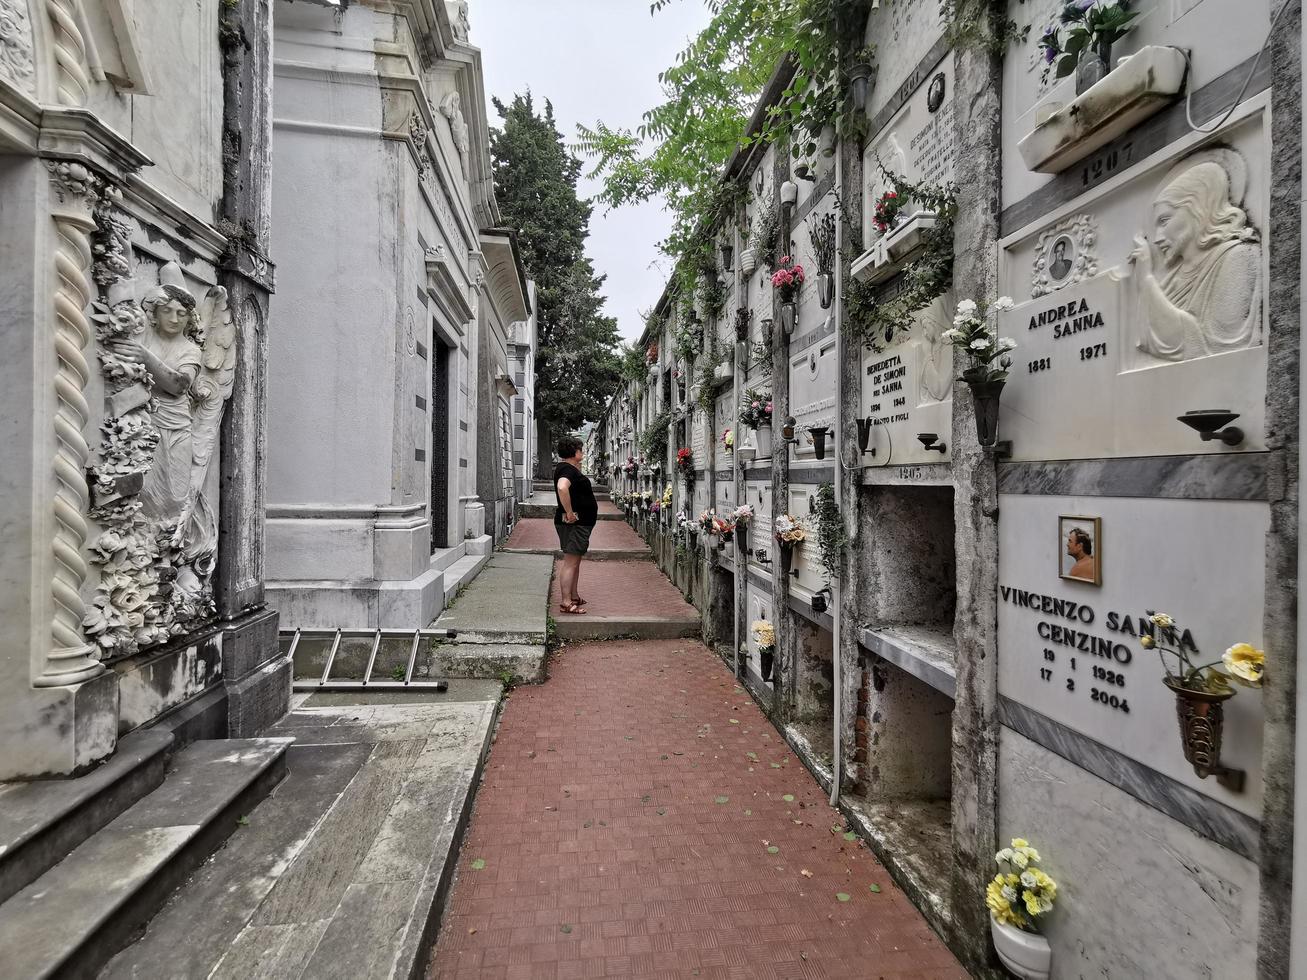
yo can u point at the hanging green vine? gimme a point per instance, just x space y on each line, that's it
981 25
876 320
832 539
653 438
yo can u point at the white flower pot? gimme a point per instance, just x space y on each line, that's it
1025 954
748 447
762 438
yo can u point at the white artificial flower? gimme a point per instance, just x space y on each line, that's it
1010 893
966 307
1007 343
979 344
1003 304
1028 880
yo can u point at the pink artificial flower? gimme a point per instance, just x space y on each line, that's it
769 408
755 404
785 260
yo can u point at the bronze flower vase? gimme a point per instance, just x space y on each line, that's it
766 657
1202 718
787 556
985 397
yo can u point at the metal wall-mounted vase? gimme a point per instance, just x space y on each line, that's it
985 396
1092 69
789 317
1202 718
825 289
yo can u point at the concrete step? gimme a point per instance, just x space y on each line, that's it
594 554
546 512
596 627
41 821
72 919
522 663
343 871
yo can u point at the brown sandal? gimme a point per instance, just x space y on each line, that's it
571 608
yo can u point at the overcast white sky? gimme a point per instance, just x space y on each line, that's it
594 59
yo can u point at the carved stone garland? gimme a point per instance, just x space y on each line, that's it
17 62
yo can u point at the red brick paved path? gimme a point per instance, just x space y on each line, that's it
533 533
625 822
624 588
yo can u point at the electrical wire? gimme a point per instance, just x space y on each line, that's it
1243 90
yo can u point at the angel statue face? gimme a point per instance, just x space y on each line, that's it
172 309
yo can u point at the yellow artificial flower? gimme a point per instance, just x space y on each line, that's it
1020 842
1245 663
1162 620
764 633
1146 642
1001 906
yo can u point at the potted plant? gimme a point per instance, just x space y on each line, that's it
756 414
1092 27
1017 896
860 75
974 334
821 233
787 279
790 532
764 634
1201 691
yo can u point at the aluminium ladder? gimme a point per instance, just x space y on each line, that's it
325 683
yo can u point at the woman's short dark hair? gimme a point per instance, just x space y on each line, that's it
567 447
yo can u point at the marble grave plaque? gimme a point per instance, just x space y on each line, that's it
1070 649
907 389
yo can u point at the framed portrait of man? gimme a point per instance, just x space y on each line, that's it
1080 552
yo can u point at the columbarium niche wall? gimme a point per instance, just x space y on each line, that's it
1141 273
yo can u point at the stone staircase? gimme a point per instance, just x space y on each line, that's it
85 863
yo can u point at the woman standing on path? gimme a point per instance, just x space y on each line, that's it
574 519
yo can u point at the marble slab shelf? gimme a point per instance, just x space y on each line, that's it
908 475
928 653
1139 87
895 250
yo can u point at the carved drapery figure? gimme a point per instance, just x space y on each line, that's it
452 108
935 354
1196 285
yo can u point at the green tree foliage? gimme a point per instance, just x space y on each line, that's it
679 150
577 357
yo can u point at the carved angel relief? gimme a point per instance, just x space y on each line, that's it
169 363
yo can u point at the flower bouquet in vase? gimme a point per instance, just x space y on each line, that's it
787 279
988 358
1017 896
756 415
790 532
764 634
1201 690
685 463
